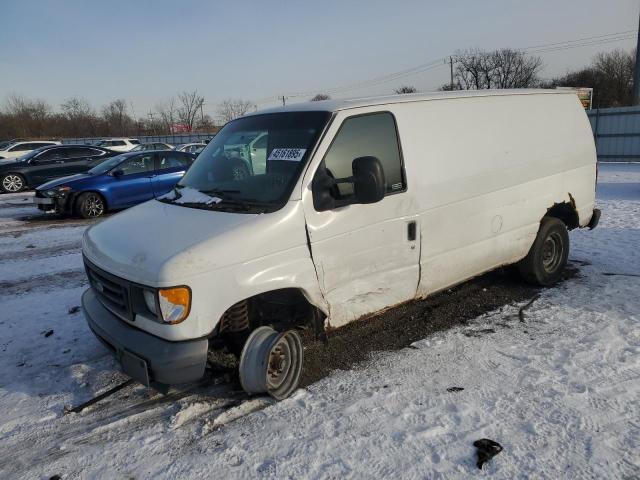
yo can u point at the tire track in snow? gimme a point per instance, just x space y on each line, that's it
111 422
64 279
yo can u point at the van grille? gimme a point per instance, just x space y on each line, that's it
113 292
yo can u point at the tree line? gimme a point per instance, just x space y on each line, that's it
22 117
609 74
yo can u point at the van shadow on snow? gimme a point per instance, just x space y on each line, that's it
399 327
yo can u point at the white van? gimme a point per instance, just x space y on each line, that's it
363 204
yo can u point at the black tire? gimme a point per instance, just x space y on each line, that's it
90 205
548 255
12 183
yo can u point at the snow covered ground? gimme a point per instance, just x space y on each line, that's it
560 392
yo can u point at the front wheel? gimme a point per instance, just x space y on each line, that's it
548 255
271 362
12 183
90 205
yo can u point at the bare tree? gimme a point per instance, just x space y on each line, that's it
505 68
229 109
609 74
320 96
168 112
29 116
405 89
78 118
116 118
190 106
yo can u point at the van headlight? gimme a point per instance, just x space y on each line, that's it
150 301
174 303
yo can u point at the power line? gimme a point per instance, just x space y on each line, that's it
534 49
580 39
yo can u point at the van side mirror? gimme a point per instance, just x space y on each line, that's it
118 172
369 184
368 180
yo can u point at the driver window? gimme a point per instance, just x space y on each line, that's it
139 164
366 135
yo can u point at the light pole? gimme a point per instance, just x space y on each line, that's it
636 72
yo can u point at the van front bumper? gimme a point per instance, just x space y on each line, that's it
145 357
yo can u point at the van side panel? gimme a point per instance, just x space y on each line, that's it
483 171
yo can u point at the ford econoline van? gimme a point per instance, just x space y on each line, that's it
357 206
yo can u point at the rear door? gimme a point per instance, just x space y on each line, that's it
170 167
134 185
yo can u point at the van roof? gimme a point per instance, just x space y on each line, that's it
345 104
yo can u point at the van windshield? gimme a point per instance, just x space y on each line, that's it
253 160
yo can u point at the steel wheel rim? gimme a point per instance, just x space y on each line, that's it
552 252
94 206
271 362
279 364
12 183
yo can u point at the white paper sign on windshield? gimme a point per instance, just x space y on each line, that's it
290 154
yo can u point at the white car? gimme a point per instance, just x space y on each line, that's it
119 144
153 146
17 149
195 147
363 205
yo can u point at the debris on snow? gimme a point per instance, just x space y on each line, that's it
74 309
527 305
486 450
455 389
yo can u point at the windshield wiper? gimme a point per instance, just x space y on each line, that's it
219 191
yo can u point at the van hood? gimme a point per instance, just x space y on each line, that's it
160 244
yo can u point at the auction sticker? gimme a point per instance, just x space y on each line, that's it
290 154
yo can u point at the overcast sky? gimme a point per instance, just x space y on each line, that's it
146 51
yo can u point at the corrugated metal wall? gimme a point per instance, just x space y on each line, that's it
617 133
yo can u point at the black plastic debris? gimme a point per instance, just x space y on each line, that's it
74 309
48 333
486 450
455 389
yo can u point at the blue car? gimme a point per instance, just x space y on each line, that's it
119 182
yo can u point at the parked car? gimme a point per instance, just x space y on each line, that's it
363 205
119 182
152 146
119 144
46 163
5 143
17 149
195 147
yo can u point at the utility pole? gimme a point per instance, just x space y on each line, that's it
202 113
152 124
451 70
636 73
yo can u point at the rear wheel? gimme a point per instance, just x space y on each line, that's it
548 255
12 183
90 205
271 362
